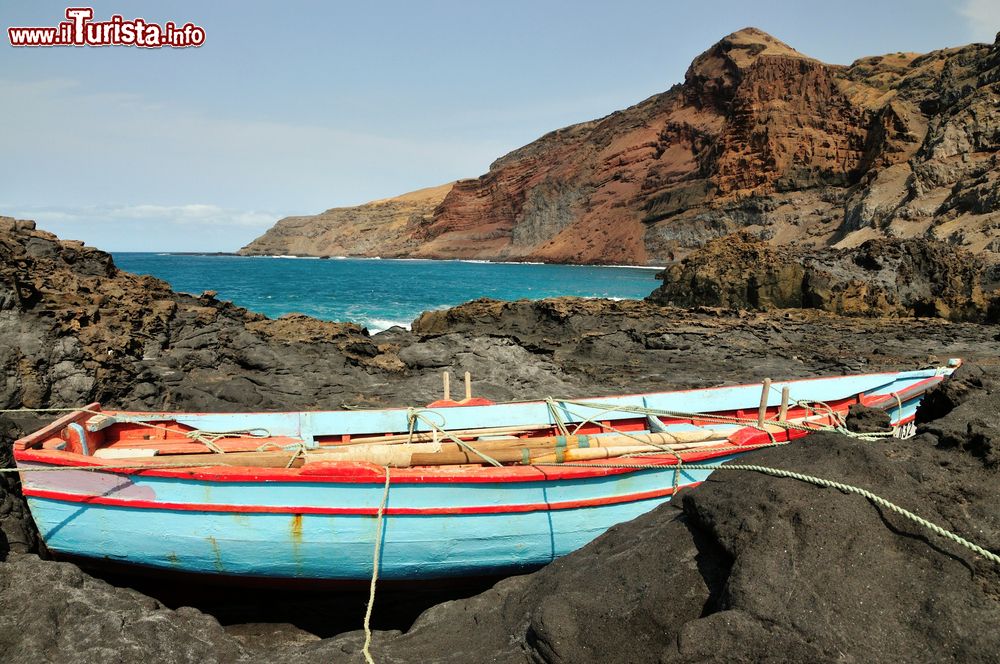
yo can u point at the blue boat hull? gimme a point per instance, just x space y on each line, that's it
320 523
520 530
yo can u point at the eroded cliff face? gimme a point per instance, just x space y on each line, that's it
758 137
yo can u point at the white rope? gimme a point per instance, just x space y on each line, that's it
414 414
376 562
556 418
818 481
817 407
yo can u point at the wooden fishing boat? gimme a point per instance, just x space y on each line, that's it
475 489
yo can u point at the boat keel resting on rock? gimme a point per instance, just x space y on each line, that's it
454 491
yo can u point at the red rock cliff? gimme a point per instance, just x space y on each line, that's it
758 137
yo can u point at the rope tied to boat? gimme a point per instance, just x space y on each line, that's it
818 481
817 407
209 438
607 427
413 415
556 417
376 563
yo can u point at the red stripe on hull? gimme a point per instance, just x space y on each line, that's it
350 511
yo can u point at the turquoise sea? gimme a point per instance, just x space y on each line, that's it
379 293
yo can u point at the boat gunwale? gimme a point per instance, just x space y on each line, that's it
361 472
364 472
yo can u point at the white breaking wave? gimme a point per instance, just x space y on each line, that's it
634 267
376 325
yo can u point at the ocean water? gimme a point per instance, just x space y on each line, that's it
379 293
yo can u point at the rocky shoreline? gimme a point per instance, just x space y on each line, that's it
880 277
743 568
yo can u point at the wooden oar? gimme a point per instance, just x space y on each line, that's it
269 459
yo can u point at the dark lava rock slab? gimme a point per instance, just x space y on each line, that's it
17 529
865 419
634 346
965 413
53 612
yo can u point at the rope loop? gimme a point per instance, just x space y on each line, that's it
413 415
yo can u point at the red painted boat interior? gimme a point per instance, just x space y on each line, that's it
59 444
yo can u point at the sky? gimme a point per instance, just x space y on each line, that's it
295 107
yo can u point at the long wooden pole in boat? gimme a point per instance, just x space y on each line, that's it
514 451
402 456
537 455
592 453
423 436
679 436
540 442
447 453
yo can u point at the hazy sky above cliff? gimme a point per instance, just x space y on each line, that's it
295 107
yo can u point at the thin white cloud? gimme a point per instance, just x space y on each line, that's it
982 18
194 213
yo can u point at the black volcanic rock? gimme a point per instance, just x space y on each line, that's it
749 567
744 565
53 612
74 329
